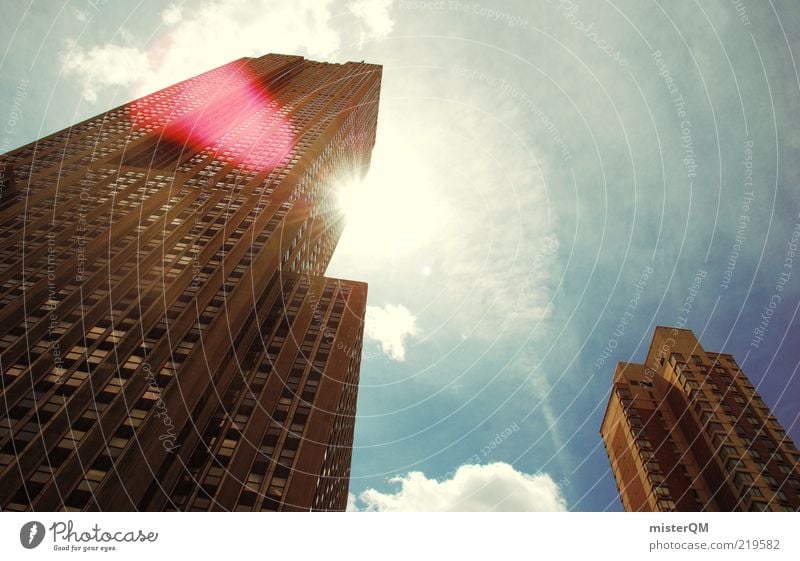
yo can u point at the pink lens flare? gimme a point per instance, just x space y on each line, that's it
235 116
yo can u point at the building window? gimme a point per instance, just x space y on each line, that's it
652 466
666 504
706 416
769 444
743 478
753 492
676 358
771 481
661 491
733 464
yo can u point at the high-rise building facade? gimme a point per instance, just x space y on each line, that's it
687 431
167 340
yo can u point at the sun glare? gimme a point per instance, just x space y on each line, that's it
388 215
350 198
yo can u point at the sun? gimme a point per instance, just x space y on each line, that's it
380 220
350 198
395 211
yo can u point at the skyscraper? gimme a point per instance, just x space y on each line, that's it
167 341
687 431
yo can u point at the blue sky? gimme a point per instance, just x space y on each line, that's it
535 161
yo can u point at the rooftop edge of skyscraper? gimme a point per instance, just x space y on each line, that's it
675 441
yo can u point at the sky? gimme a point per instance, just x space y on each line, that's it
541 168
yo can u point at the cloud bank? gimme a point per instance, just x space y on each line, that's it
474 488
391 326
213 33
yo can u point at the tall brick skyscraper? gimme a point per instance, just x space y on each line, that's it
167 341
687 431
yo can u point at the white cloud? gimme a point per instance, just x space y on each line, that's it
501 254
106 65
213 33
80 15
541 388
171 15
476 488
374 16
352 505
392 326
